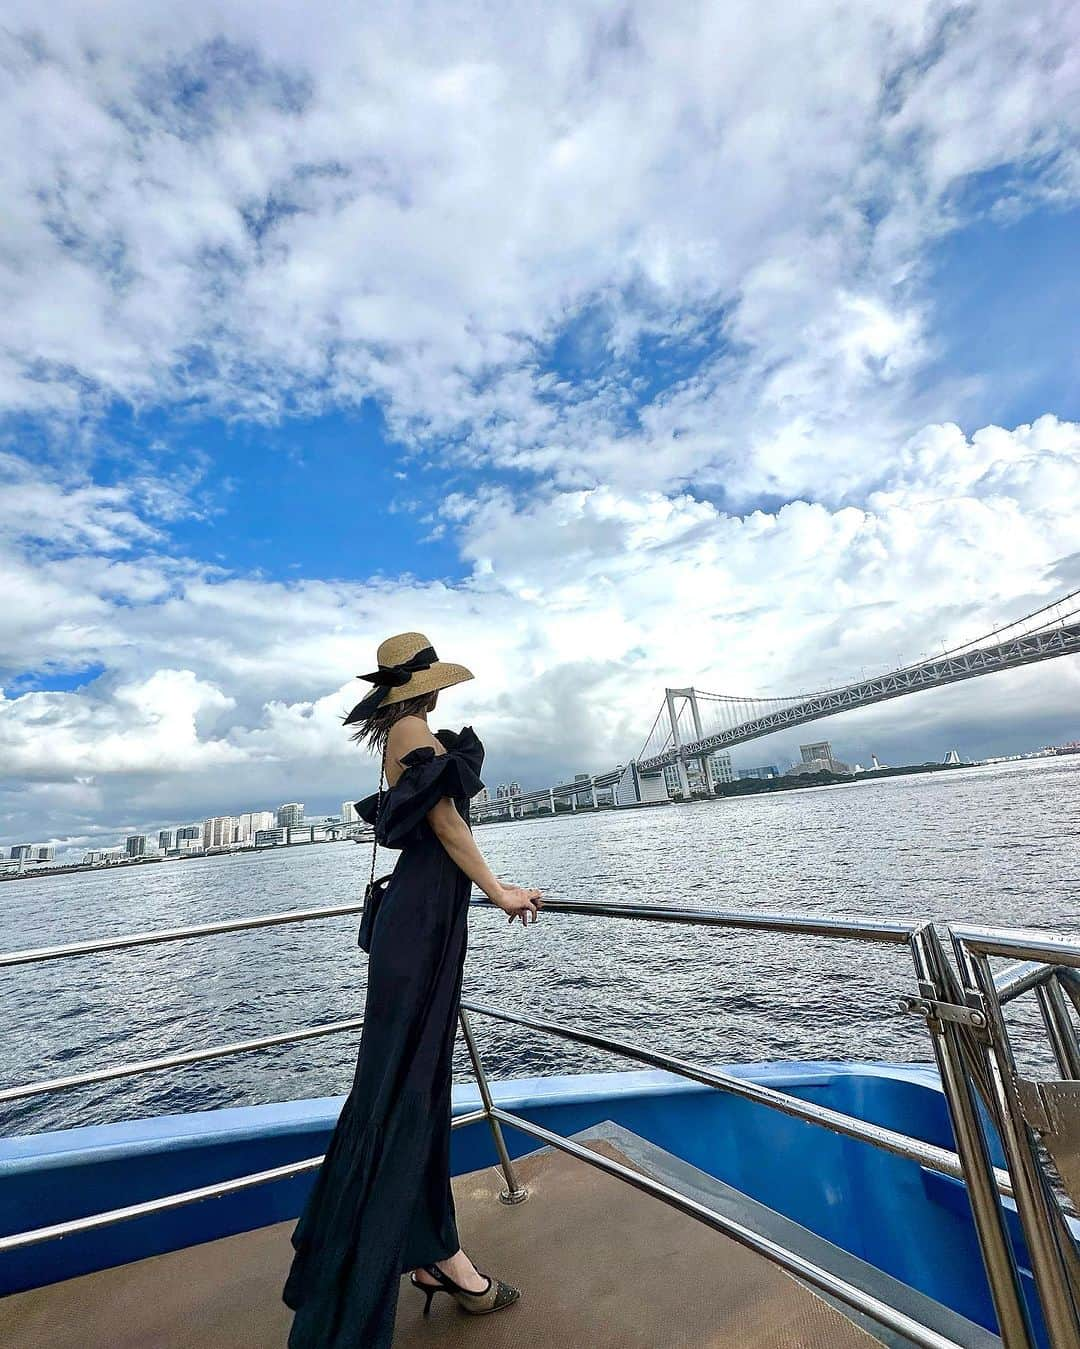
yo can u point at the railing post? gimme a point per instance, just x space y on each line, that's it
1030 1188
1014 1325
514 1193
1059 1028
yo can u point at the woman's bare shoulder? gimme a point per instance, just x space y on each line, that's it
408 733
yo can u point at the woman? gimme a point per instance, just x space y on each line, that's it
381 1203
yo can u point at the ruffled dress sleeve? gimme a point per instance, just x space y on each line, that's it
425 779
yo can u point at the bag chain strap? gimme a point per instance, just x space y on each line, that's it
374 827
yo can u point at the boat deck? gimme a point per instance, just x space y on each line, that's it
599 1263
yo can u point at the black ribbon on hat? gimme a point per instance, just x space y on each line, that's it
388 677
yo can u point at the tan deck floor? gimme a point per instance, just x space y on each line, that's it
601 1265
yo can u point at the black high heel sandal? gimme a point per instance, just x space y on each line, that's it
497 1294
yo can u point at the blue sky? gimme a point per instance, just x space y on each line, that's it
725 346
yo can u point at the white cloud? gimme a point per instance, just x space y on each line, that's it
579 609
252 210
232 206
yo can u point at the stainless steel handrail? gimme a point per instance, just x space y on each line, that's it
19 1240
176 1060
1021 945
154 935
1020 978
889 1140
1051 1245
852 928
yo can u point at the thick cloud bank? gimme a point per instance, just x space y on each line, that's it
654 283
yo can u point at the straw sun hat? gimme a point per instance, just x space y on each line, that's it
408 667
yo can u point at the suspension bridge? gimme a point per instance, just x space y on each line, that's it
691 724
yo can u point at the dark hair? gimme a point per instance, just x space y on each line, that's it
374 729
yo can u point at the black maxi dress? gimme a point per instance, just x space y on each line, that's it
381 1202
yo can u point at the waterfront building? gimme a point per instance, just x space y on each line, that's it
290 815
818 758
31 852
135 845
348 813
187 833
269 838
482 797
249 824
821 749
719 768
165 839
220 832
305 833
764 772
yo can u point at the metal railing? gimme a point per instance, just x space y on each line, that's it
963 1015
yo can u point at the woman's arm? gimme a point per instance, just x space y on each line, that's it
456 837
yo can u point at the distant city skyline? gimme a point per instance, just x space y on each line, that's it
211 832
566 361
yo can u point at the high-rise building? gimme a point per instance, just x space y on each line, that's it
189 832
348 813
249 824
290 815
719 768
220 832
821 749
817 758
135 845
165 839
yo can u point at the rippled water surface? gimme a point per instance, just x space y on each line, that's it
998 845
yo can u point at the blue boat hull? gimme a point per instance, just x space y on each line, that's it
910 1222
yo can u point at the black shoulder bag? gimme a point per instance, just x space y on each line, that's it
373 893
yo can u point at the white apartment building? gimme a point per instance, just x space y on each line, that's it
249 824
718 767
220 832
348 813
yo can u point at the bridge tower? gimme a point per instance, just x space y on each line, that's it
688 695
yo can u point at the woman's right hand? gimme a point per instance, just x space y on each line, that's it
518 902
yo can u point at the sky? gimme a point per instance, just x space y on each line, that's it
611 347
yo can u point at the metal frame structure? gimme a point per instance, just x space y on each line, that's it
963 1013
